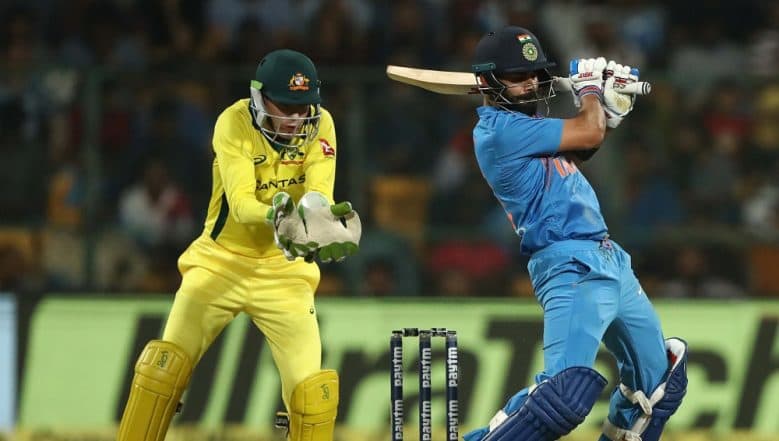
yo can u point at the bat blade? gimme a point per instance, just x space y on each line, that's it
438 81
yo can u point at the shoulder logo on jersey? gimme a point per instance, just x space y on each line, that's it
291 156
327 149
298 82
259 159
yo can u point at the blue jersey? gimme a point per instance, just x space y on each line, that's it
545 196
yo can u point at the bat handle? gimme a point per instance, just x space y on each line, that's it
563 84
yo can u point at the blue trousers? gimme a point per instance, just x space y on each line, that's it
589 294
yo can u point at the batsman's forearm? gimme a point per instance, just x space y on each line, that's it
592 112
593 119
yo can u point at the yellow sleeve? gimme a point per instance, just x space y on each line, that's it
320 167
236 168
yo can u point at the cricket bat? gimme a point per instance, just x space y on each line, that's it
465 83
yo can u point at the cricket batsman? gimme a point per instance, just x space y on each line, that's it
256 253
582 279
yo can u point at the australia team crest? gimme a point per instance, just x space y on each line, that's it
299 82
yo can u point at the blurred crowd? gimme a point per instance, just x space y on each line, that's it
107 110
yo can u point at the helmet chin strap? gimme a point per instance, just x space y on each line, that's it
529 104
529 108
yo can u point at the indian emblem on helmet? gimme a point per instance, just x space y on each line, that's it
530 52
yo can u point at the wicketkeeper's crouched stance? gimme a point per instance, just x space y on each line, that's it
256 253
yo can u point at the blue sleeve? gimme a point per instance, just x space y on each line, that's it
524 136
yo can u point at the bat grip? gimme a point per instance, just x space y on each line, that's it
563 84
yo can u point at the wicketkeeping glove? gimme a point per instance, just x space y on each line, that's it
281 205
615 103
289 233
587 78
335 230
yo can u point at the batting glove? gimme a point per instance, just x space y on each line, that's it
617 104
587 78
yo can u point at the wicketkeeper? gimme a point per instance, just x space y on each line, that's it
256 254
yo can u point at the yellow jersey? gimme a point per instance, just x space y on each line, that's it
247 172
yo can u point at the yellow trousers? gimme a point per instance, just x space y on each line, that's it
277 294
